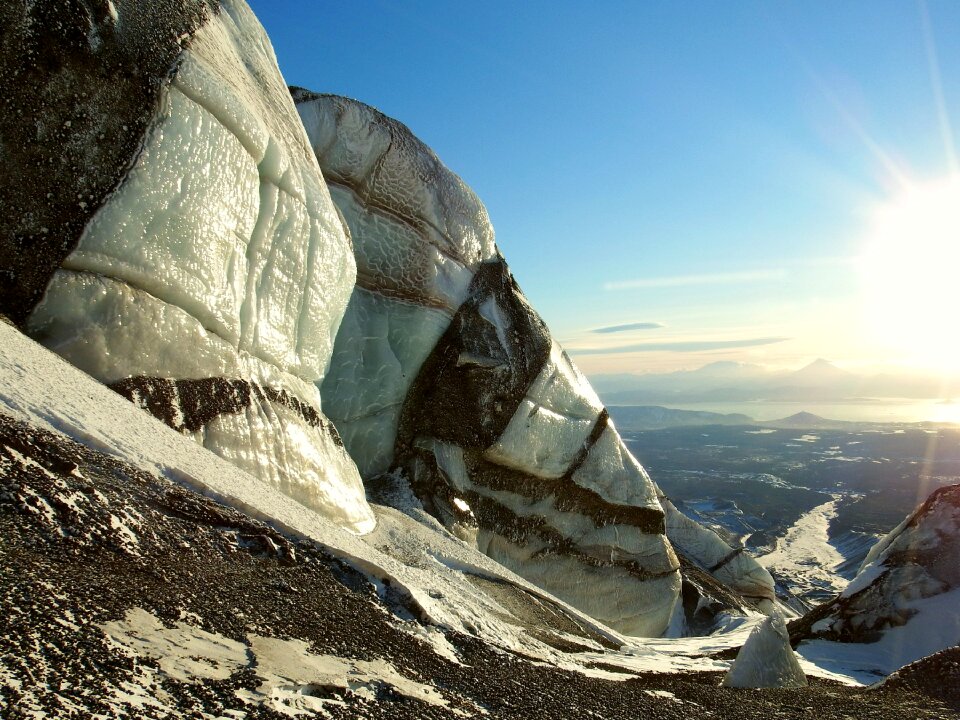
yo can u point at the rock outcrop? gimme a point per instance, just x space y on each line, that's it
205 273
906 598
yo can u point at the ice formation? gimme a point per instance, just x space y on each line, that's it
905 601
766 659
442 369
209 286
732 567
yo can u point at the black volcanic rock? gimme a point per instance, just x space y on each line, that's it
472 383
81 81
89 542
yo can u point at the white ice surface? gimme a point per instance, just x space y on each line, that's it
395 256
562 388
614 474
381 161
418 233
380 348
540 441
224 213
221 254
742 572
766 659
634 607
554 420
936 626
805 555
593 583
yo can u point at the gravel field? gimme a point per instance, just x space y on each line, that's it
87 538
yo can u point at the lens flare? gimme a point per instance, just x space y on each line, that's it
909 273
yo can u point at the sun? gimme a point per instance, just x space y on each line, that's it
910 274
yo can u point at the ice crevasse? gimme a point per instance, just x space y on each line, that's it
209 285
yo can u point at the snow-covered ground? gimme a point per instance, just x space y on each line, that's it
936 622
805 556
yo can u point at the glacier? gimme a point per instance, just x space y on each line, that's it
904 603
283 301
216 274
443 372
265 263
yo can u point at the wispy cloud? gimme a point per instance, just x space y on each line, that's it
627 327
678 346
705 279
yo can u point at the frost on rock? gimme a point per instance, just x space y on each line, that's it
905 601
766 660
209 287
294 681
443 371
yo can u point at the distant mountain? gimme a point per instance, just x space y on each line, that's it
820 381
653 417
804 421
820 373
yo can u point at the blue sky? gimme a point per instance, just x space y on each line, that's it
708 170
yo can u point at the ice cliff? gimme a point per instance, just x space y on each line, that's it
243 273
208 284
443 373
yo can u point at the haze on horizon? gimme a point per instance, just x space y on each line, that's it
679 183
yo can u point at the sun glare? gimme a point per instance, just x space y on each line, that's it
909 270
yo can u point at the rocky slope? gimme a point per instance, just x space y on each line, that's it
128 595
904 604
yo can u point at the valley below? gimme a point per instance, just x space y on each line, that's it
806 496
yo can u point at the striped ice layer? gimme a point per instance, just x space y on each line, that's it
210 285
443 370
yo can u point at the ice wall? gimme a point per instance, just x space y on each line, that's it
209 287
443 371
732 567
